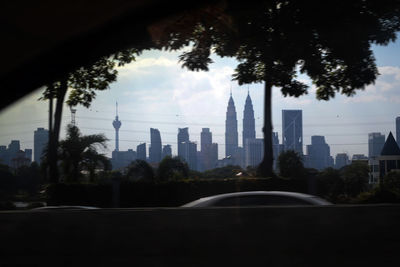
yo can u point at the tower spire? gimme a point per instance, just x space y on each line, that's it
117 124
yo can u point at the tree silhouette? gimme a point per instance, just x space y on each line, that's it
172 168
273 40
290 165
79 152
140 170
82 85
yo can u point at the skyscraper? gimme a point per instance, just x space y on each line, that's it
375 144
166 151
189 150
141 151
398 130
254 152
205 138
342 159
205 150
292 130
318 154
155 146
231 132
117 125
40 140
249 128
183 136
276 148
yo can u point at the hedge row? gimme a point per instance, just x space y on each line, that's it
167 194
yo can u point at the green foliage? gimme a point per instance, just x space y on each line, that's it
290 165
78 153
140 170
84 81
392 181
172 168
328 41
330 184
229 171
7 182
378 195
355 178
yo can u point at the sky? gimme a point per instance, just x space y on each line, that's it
156 92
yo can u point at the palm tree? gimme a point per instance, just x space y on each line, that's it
79 153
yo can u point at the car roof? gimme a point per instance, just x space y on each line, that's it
250 193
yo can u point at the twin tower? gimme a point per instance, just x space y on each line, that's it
231 129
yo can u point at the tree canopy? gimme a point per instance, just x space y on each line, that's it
274 40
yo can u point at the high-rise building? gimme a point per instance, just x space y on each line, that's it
155 146
341 160
28 154
121 159
254 152
276 149
214 155
40 140
141 151
13 156
292 130
183 136
375 144
318 154
398 130
117 125
166 151
389 159
189 150
231 131
249 128
205 159
205 138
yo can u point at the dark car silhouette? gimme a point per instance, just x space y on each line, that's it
258 198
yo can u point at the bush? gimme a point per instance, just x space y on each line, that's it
378 195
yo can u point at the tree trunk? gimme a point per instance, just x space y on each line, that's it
54 132
265 167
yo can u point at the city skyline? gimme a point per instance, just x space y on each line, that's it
155 92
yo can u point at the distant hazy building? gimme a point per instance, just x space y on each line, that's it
116 124
359 157
183 136
19 159
341 160
375 144
13 156
389 160
398 130
155 146
277 149
254 152
189 150
249 128
207 158
239 157
292 130
121 159
318 154
231 131
40 140
141 151
214 155
166 151
28 154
